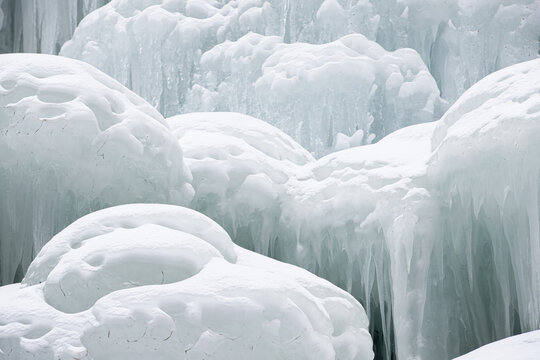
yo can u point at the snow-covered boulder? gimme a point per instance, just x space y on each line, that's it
312 92
73 140
160 281
520 347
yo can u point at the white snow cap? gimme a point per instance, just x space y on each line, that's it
74 140
147 281
520 347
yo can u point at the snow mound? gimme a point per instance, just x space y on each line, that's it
434 220
73 140
314 91
520 347
124 285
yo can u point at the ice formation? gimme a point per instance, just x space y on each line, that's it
41 26
520 347
147 281
154 47
174 56
73 140
314 91
435 228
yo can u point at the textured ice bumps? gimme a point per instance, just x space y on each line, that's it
160 281
74 140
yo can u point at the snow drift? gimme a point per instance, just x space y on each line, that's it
73 140
140 281
424 227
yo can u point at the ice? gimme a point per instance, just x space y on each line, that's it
145 280
519 347
73 140
175 56
314 91
435 228
155 47
39 26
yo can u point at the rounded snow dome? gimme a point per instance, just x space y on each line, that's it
74 140
146 280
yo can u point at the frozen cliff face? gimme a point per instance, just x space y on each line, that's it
41 26
313 92
425 227
167 53
520 347
73 140
142 281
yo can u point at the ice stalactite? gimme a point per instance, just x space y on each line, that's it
41 26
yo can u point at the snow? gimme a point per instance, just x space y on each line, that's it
146 280
520 347
73 140
35 26
425 227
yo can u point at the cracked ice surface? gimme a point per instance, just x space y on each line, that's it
171 284
424 227
74 140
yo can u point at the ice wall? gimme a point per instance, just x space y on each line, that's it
154 47
167 282
41 26
425 227
73 140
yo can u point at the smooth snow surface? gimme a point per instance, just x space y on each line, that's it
41 26
73 140
435 228
160 281
520 347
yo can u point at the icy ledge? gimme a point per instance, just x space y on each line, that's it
435 228
160 281
74 140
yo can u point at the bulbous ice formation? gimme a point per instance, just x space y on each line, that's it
313 92
73 140
167 53
145 280
424 227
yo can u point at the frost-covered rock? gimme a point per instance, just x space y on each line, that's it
520 347
73 140
159 281
313 92
425 227
41 26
